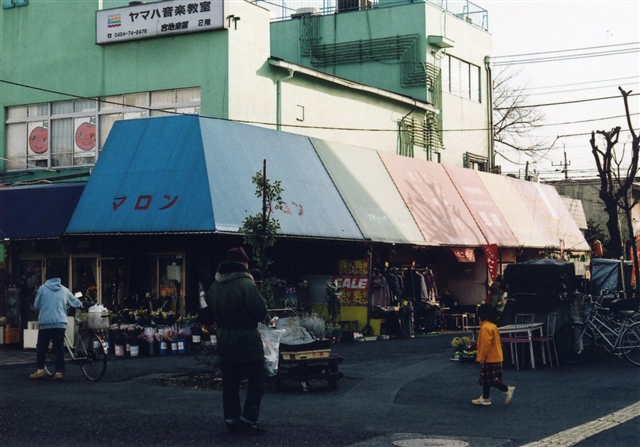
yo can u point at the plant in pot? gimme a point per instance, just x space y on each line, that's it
197 331
147 343
119 339
314 324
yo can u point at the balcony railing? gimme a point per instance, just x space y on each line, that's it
292 9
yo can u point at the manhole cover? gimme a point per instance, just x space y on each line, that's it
430 442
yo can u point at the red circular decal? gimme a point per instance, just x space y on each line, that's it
39 140
86 136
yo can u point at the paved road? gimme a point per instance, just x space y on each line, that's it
405 391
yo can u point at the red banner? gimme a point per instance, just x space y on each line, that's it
491 255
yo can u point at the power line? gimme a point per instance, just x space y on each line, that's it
568 57
564 51
580 83
563 102
71 95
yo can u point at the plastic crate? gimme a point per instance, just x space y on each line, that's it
11 336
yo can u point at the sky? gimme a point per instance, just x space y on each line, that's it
534 27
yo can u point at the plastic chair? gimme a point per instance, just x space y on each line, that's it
552 318
518 338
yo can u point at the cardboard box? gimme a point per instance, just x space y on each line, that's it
11 336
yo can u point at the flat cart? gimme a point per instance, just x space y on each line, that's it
304 370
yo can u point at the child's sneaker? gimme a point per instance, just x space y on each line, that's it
509 394
481 401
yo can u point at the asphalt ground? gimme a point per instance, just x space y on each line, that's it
403 392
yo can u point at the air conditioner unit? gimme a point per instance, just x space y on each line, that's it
302 12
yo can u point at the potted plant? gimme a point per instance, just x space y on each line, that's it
464 349
314 324
147 343
197 331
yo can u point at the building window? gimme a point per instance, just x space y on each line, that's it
68 134
461 78
424 133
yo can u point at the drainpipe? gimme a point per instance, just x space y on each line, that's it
279 98
492 154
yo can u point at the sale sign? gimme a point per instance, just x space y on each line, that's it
355 290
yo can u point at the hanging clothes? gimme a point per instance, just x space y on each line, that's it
380 290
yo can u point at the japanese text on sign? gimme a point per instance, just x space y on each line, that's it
143 202
355 289
158 19
353 267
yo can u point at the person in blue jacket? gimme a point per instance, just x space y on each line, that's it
52 300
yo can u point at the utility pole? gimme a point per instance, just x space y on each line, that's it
565 165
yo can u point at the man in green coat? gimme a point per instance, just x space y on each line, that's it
238 307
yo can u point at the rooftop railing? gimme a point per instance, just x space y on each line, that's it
292 9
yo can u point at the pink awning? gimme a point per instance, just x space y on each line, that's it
484 210
434 202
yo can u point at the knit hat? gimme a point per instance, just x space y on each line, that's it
237 254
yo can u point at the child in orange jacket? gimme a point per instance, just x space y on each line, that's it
490 357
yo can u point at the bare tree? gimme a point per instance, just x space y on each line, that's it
616 180
513 118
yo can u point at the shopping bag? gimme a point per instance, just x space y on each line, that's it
271 344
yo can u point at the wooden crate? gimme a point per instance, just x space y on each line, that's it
304 355
11 336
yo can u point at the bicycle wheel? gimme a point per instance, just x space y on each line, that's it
93 362
50 361
630 343
570 347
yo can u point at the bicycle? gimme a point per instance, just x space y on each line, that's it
576 341
90 352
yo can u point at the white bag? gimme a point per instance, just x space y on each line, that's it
271 343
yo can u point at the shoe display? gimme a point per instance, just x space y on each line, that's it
38 375
509 394
58 376
481 401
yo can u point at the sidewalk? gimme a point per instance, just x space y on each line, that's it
14 355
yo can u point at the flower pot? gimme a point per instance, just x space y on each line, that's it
182 346
134 350
109 344
120 350
195 339
163 347
174 347
151 346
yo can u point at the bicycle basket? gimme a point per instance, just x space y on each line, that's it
98 317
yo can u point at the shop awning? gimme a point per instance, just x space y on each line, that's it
434 202
369 192
535 213
514 210
555 217
37 212
484 210
193 174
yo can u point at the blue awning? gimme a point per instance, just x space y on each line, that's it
37 212
193 174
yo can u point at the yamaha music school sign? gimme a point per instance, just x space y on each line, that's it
158 19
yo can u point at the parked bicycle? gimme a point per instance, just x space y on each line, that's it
619 334
89 351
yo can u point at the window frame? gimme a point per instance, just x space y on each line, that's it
30 114
462 78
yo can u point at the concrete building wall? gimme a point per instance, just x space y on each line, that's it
470 44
